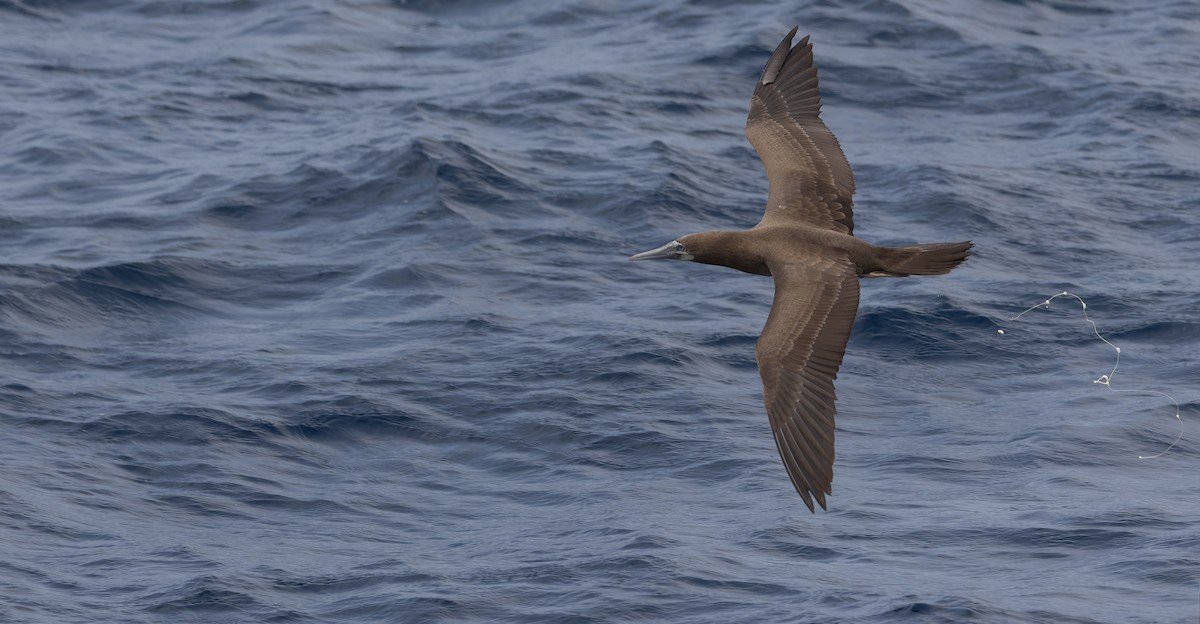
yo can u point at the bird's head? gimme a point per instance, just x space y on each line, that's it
731 248
674 250
700 247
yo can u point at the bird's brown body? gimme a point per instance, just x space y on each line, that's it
751 251
805 242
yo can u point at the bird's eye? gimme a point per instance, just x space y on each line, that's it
678 246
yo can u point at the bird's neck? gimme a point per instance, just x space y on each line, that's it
735 249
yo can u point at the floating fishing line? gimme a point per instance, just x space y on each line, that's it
1106 380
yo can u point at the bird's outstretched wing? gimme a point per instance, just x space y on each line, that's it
810 180
799 352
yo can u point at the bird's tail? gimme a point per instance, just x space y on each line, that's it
933 259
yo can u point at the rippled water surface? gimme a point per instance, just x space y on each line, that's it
320 312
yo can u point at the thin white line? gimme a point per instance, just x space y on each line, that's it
1107 380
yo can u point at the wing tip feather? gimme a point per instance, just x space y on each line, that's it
771 70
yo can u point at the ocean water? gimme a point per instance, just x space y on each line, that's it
320 312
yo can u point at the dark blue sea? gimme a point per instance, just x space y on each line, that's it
320 312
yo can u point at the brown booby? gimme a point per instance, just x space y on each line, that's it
805 242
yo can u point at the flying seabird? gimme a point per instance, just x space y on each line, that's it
805 242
